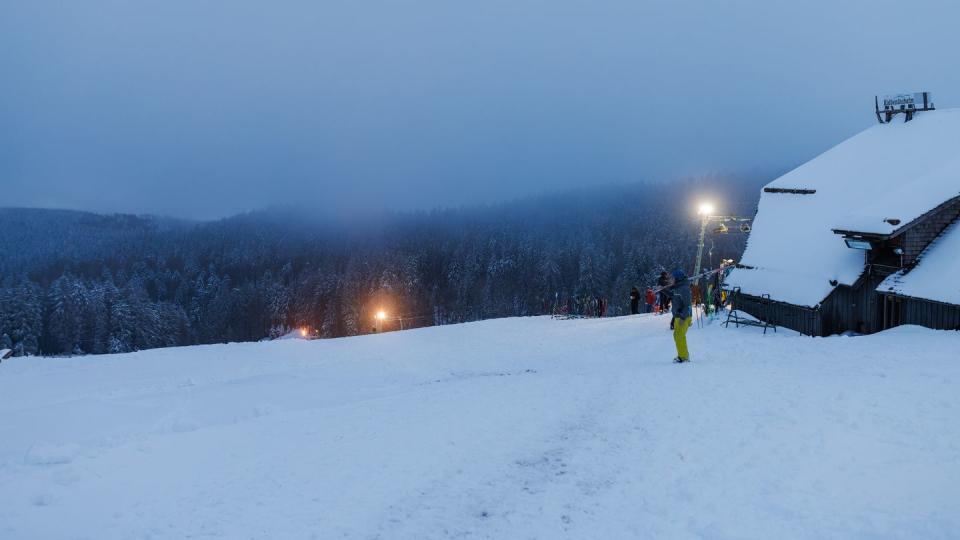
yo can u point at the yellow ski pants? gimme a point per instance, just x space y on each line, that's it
680 336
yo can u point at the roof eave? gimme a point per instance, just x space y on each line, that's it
901 229
863 234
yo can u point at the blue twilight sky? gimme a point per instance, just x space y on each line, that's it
202 108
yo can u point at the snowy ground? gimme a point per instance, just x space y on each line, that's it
514 428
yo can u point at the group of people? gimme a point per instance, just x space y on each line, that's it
654 302
579 306
674 294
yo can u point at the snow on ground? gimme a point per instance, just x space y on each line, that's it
513 428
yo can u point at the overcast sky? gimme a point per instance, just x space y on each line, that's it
203 108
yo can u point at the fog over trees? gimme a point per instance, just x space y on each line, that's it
75 282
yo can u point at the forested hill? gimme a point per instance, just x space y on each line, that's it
75 282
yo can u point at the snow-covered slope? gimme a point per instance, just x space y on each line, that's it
514 428
895 171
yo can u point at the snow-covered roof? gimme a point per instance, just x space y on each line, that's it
895 171
934 276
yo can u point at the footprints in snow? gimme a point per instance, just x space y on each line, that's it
464 375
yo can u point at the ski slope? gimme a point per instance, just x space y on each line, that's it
512 428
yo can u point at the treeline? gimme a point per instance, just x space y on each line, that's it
76 283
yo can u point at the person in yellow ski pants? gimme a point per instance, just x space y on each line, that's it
680 327
682 309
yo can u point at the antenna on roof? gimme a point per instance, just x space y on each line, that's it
893 104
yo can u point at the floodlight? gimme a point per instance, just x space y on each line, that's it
858 243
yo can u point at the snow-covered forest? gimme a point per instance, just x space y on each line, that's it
75 283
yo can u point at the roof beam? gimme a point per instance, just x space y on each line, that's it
794 191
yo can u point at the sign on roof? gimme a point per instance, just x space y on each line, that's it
903 102
892 104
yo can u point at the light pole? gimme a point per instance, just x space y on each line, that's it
710 254
704 210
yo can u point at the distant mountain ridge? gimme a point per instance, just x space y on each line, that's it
33 236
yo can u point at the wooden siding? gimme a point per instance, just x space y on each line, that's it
855 308
802 319
858 308
899 310
918 235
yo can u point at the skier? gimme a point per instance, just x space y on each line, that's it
663 296
651 300
717 297
634 301
682 314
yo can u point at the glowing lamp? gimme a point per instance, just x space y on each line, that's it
381 315
705 209
303 332
858 243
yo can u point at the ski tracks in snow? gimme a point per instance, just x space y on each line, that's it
562 480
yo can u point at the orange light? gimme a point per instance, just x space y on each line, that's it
303 332
381 315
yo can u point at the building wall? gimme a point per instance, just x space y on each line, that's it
915 239
855 308
899 310
802 319
852 309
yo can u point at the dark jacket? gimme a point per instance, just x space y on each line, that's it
681 304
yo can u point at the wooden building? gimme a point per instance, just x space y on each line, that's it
862 238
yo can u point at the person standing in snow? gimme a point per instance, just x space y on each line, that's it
682 312
634 301
651 300
663 282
